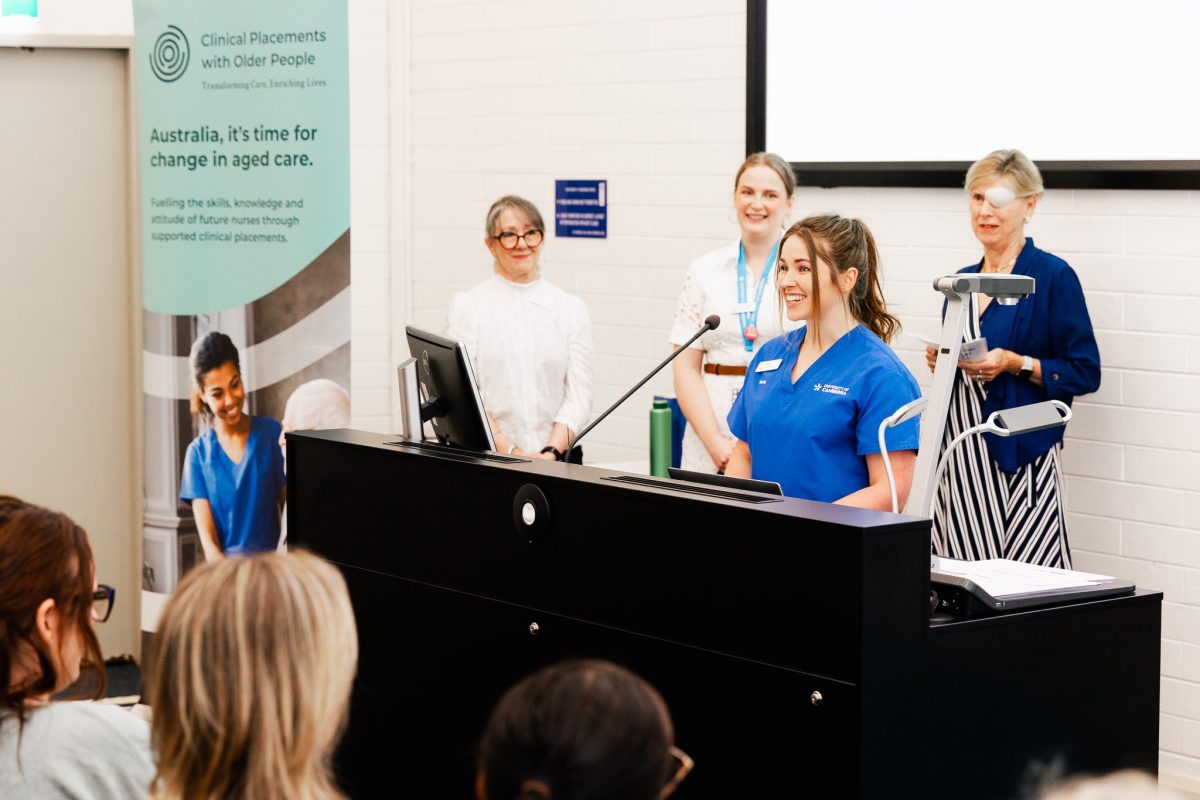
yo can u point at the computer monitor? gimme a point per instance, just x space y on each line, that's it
449 396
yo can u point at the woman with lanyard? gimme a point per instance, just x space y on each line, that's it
730 282
808 415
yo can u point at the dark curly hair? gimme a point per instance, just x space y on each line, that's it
208 353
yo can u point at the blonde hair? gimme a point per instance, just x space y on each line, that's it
776 163
1127 784
1013 164
317 405
250 680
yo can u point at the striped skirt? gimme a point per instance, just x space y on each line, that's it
981 512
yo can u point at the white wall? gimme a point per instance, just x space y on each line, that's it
507 97
374 263
68 400
488 98
71 23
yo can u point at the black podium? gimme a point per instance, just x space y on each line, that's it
790 639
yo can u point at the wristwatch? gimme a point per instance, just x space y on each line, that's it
1026 368
558 456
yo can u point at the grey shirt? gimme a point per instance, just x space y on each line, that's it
76 750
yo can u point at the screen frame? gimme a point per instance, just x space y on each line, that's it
935 174
465 428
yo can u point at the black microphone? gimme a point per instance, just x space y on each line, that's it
711 322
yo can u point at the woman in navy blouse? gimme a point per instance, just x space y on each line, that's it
1003 497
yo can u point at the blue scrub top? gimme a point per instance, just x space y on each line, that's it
812 435
244 497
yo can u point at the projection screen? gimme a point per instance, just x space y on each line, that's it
872 92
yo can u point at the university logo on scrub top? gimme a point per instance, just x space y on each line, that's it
830 388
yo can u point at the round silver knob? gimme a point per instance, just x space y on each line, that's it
815 698
533 629
528 513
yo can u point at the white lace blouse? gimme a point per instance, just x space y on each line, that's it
531 349
710 287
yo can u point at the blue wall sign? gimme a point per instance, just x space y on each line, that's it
581 209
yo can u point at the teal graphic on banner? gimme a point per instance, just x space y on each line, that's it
243 143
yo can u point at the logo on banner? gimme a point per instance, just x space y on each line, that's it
170 56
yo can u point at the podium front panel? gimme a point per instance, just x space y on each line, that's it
791 640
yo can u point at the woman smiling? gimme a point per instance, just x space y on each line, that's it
730 282
809 410
530 342
233 472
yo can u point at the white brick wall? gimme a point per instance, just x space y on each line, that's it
506 97
479 99
371 257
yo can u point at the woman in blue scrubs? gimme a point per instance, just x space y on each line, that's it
233 472
809 411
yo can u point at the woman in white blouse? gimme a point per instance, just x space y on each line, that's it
736 282
530 342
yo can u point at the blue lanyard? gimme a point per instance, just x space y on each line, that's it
748 318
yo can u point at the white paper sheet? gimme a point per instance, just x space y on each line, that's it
1001 577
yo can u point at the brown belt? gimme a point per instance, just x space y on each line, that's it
721 369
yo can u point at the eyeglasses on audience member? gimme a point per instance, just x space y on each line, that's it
508 240
102 602
685 766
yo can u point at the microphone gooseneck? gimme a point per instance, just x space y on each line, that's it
711 322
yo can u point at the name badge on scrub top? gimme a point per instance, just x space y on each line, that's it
768 366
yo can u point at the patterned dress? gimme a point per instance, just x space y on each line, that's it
982 512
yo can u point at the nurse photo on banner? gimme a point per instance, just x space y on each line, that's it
809 410
233 472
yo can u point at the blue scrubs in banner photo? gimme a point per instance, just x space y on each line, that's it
812 436
244 496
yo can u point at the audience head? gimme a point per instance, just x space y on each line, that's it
844 261
217 375
580 730
1124 785
47 581
762 195
250 679
515 232
316 405
1003 188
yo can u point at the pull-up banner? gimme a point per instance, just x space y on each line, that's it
243 163
244 146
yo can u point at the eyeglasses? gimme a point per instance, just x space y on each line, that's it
685 766
102 602
508 240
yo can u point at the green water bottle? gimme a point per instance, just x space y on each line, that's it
660 438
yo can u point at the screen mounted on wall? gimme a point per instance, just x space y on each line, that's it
879 93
